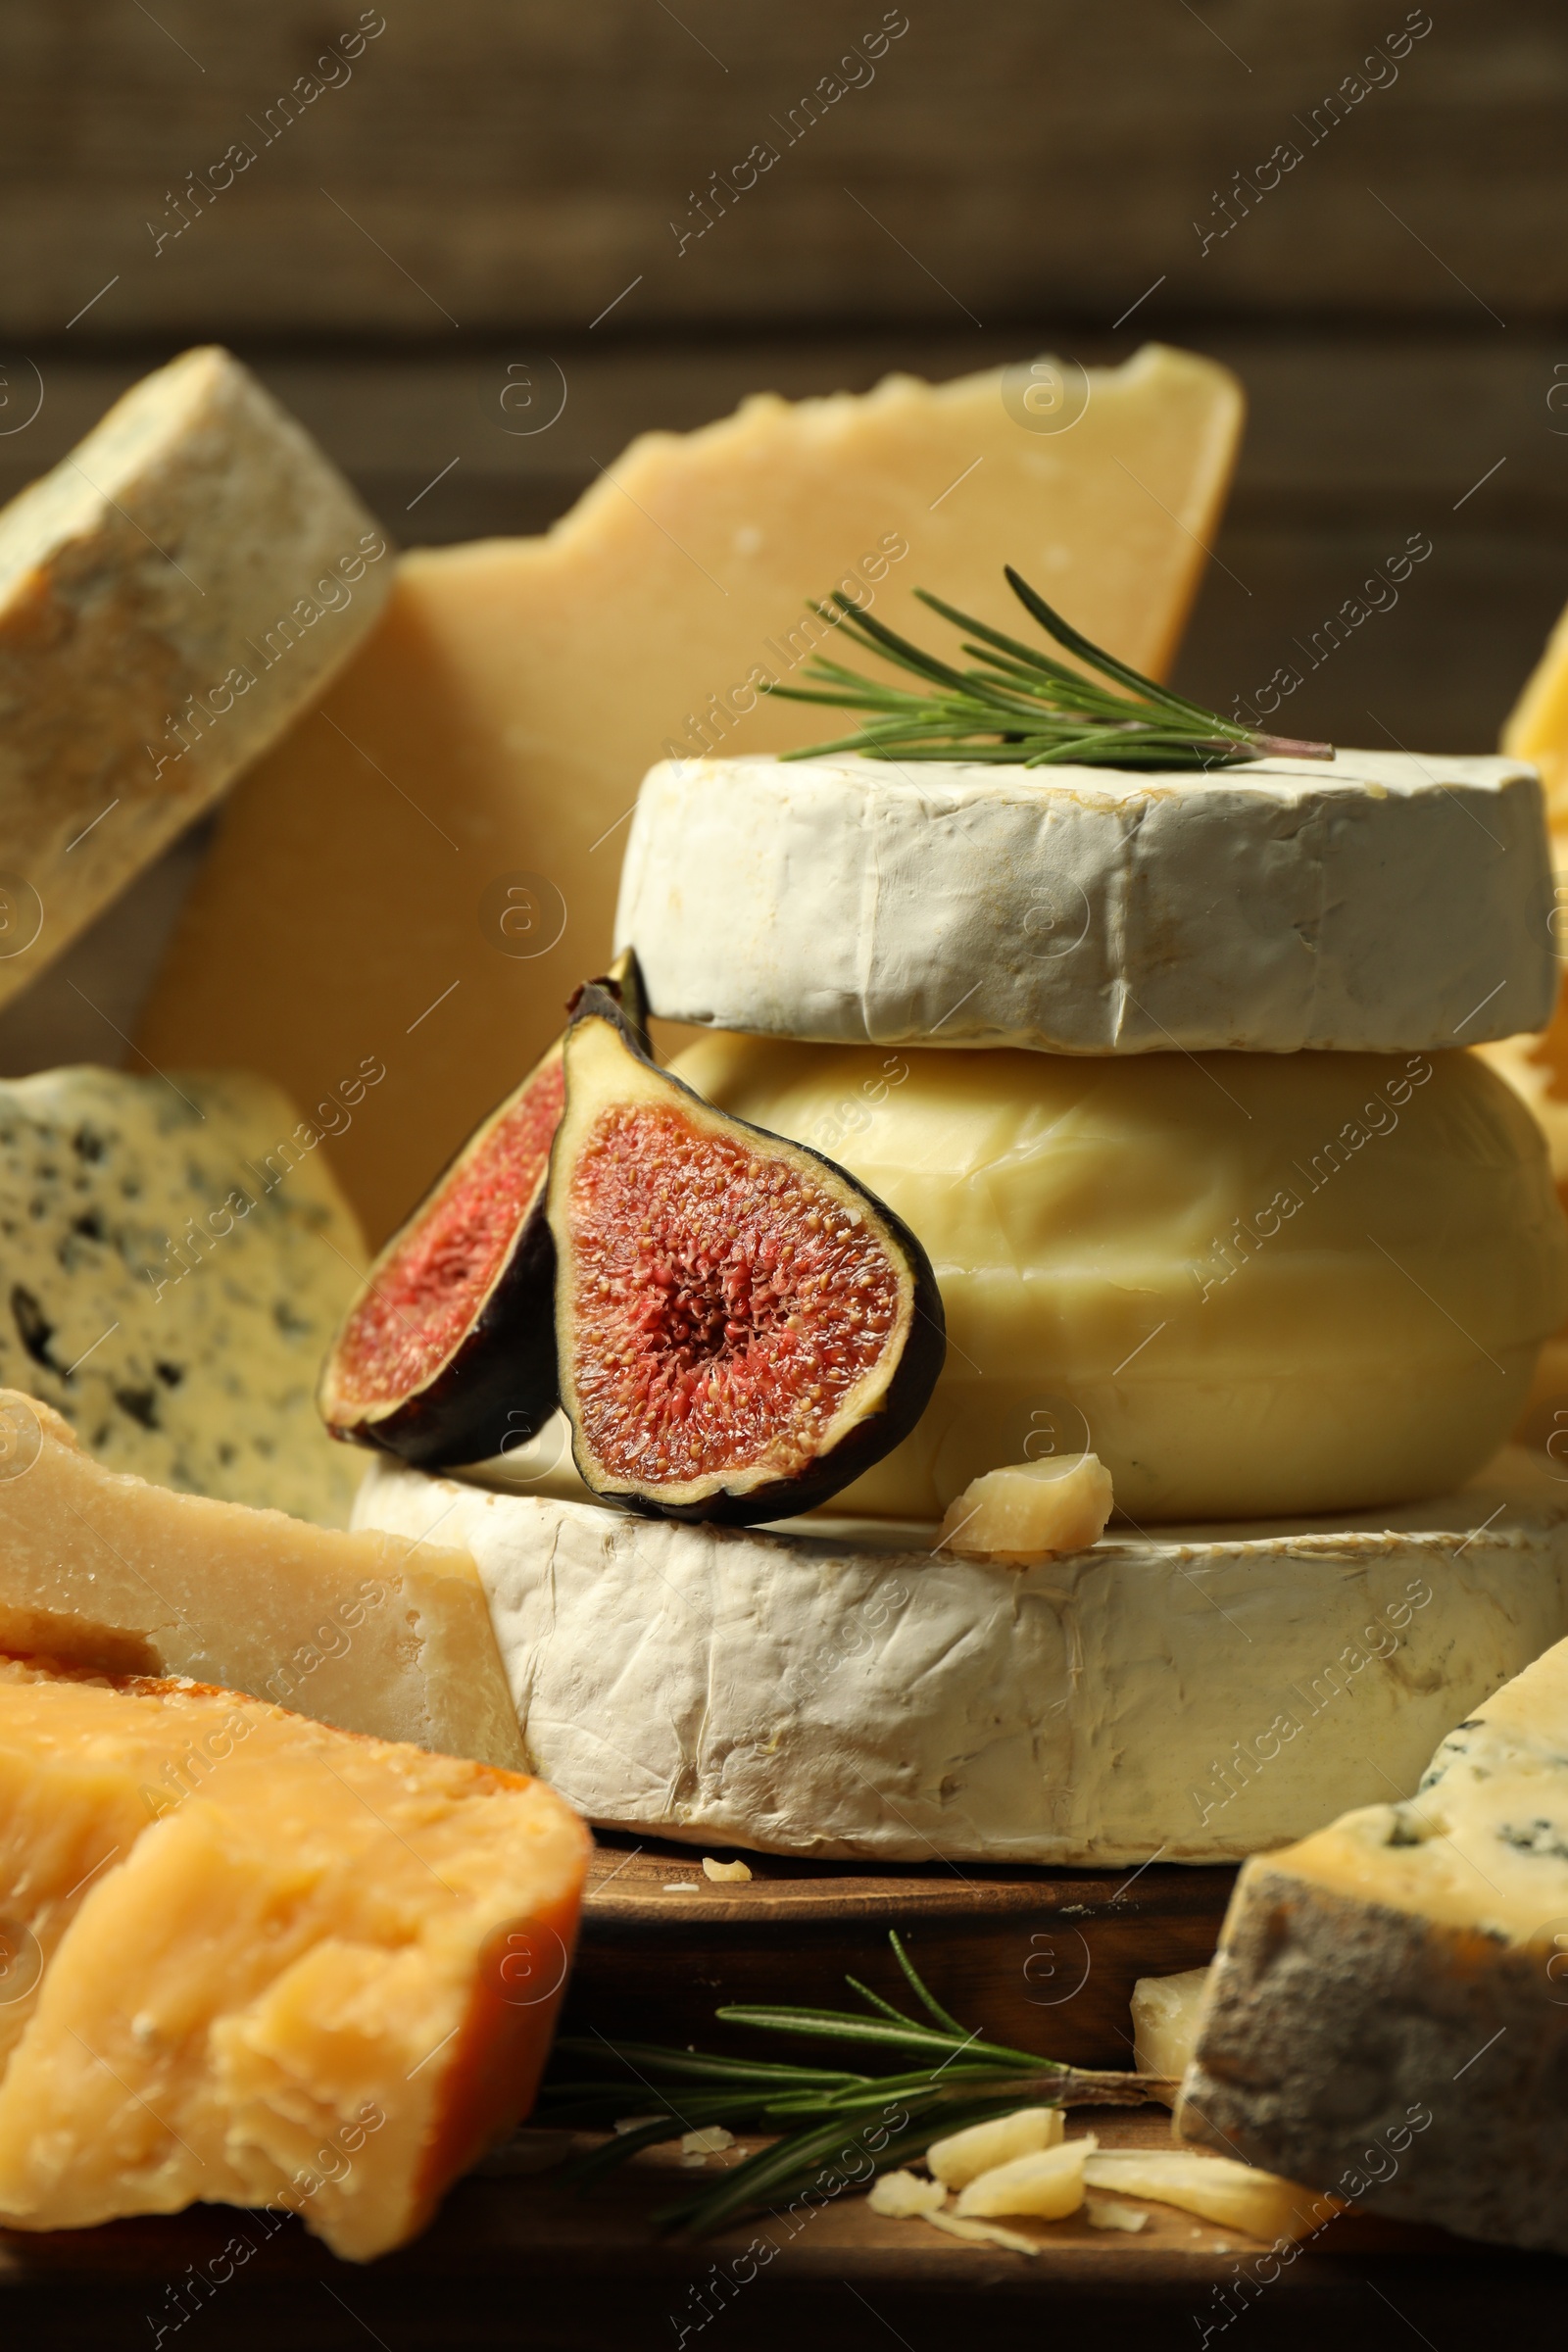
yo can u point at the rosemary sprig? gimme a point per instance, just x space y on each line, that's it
1020 706
816 2110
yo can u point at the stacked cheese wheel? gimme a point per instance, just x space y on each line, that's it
1167 1072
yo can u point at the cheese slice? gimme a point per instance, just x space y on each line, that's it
324 1980
176 1256
1389 2012
1121 1242
171 595
446 831
1376 902
371 1632
849 1692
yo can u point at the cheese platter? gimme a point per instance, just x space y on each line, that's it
714 1570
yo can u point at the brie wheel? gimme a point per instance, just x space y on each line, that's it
853 1692
1374 901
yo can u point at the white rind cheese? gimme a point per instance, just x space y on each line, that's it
1197 1697
175 1256
171 595
1387 2014
1381 902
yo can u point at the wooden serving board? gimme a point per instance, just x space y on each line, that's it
1043 1959
514 2260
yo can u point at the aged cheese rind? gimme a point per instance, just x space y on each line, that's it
171 595
1388 2013
1120 1243
1201 1697
176 1256
322 1974
450 824
371 1633
1377 903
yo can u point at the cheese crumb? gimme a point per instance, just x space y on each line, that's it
1029 1513
900 2197
696 2146
736 1870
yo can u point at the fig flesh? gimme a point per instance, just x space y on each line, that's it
741 1327
448 1353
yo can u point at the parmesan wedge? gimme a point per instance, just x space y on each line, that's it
324 1980
373 1633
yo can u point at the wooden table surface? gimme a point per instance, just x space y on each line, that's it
514 2260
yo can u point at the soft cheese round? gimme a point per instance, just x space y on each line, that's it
1378 902
1199 1696
1249 1283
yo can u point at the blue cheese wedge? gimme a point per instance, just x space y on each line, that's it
171 595
1387 2016
174 1255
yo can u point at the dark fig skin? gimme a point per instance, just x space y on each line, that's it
498 1386
904 1399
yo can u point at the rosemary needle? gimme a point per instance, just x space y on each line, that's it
1017 706
823 2115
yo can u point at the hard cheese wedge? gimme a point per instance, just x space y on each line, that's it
325 1980
371 1632
446 832
1389 2012
171 595
176 1256
849 1692
1375 902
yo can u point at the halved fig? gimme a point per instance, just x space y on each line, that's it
448 1353
740 1328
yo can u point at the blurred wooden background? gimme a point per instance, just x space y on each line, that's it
472 194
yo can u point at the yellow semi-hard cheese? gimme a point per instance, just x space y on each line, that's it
371 1633
1537 727
324 1980
171 595
1121 1244
428 865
